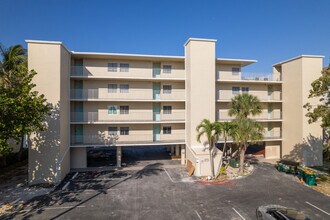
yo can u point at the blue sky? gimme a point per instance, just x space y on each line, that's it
266 30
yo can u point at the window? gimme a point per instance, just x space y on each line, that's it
112 110
167 89
235 71
235 90
245 89
124 88
112 67
124 130
124 110
112 130
167 109
112 88
167 130
124 67
167 68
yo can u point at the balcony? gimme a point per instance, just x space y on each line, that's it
252 77
131 117
274 115
137 73
102 94
264 96
131 139
268 136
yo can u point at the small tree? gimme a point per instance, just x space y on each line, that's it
247 130
226 130
207 128
22 110
321 90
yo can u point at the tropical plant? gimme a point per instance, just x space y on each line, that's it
247 131
321 90
244 105
226 130
208 129
22 109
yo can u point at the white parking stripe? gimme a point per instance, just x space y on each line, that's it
64 207
238 213
200 218
66 185
169 175
75 175
318 208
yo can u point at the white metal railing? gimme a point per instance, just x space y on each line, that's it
274 115
260 77
146 72
131 94
249 76
92 117
103 139
267 135
262 95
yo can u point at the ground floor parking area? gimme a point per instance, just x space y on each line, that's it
164 191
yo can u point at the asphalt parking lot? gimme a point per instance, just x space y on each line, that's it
155 192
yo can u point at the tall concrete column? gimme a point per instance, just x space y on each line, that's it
183 154
172 150
177 150
119 153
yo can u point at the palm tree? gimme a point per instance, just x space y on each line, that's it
207 128
244 105
247 131
226 130
12 58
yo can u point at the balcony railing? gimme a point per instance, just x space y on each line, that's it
268 135
260 77
250 76
132 94
227 95
274 115
99 117
146 72
126 139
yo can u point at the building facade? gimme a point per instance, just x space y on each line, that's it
120 100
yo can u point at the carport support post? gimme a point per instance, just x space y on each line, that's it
177 150
172 150
183 155
119 156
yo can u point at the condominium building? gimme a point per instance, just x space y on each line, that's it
120 100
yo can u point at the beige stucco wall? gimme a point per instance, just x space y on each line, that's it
138 111
224 91
99 67
301 141
98 134
49 155
273 150
138 90
225 72
200 93
78 157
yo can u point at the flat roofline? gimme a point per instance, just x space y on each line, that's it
47 42
241 62
127 55
199 39
298 57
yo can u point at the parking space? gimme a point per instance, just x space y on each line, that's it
155 192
